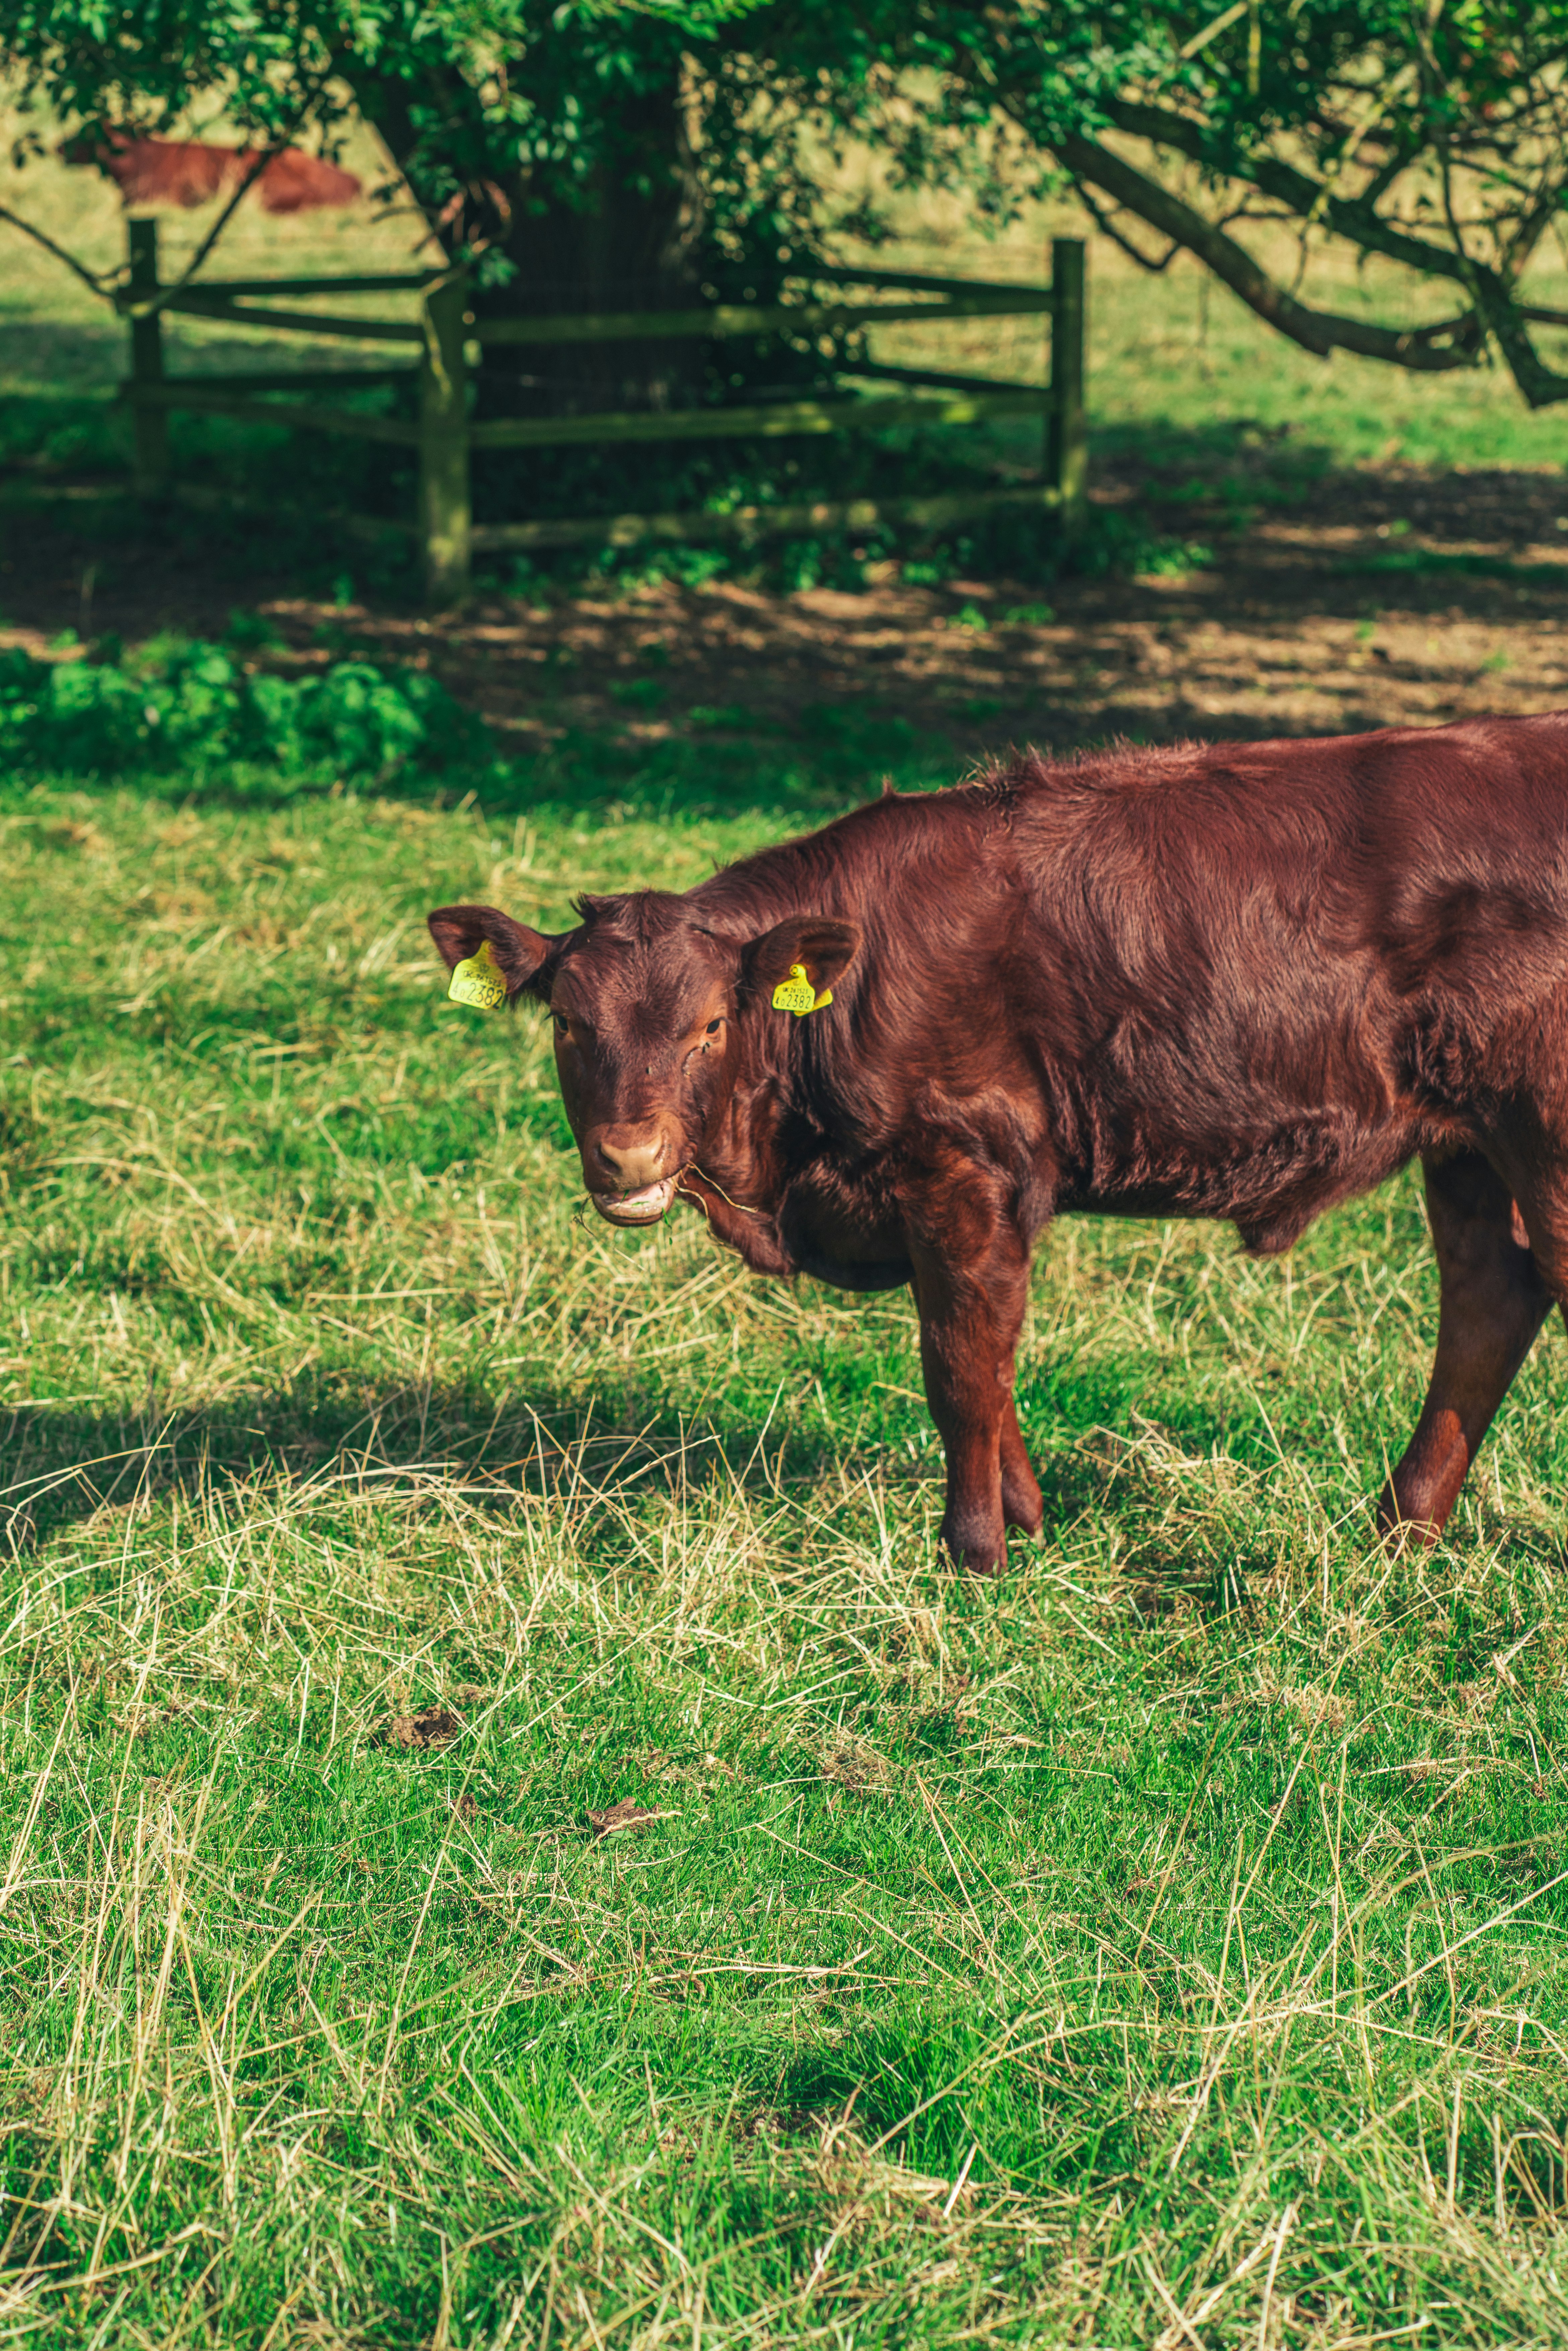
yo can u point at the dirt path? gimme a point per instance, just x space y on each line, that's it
1395 597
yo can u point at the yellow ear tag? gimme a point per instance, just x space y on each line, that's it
796 995
477 980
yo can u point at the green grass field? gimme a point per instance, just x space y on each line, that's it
1162 1945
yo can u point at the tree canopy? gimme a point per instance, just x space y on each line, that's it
666 140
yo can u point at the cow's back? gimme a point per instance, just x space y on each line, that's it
1398 864
1258 977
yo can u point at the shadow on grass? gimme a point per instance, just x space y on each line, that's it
835 760
333 1437
287 495
401 1443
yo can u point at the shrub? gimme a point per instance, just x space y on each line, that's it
191 706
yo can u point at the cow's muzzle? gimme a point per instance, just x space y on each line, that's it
642 1208
627 1170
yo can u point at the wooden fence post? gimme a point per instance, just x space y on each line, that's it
445 517
149 464
1067 443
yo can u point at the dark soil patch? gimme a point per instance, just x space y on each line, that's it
1392 596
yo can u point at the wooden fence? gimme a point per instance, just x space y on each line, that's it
444 434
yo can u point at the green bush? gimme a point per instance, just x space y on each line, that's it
192 706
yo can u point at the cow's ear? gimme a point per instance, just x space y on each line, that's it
819 943
521 956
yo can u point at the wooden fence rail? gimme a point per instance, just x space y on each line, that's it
445 435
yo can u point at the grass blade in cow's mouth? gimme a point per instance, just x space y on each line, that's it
644 1207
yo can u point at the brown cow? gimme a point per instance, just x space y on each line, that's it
188 172
1244 981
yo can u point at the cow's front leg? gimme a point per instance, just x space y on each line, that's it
1023 1504
971 1302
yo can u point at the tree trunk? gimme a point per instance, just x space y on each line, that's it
632 246
625 238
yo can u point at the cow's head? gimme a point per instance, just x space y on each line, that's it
646 1004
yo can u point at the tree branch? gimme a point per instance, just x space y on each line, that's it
1320 331
102 287
1499 313
1107 228
1350 217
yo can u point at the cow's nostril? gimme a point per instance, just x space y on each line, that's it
632 1165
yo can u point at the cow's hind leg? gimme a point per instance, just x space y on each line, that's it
1493 1301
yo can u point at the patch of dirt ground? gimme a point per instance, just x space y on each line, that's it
1391 596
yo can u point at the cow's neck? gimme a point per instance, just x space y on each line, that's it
738 1182
783 1107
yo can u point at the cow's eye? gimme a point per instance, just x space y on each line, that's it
714 1025
561 1023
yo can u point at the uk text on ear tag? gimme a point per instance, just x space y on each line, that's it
796 995
477 980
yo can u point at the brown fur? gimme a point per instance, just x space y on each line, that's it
1236 981
187 171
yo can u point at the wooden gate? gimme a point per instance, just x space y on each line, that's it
443 433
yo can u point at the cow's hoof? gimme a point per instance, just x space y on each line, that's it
975 1554
1399 1533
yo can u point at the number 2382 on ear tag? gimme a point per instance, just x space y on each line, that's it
477 980
798 996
